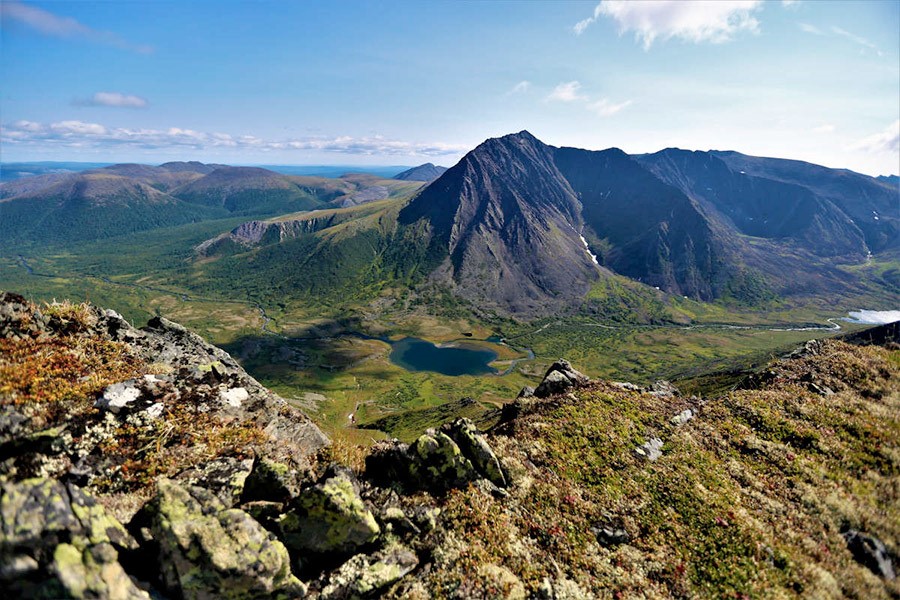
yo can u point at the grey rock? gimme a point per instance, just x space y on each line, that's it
526 392
663 389
328 518
820 389
474 446
225 477
650 450
870 552
553 383
560 377
627 385
209 551
364 576
611 536
683 417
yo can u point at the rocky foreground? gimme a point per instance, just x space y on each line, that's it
140 463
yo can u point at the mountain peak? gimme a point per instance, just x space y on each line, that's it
425 172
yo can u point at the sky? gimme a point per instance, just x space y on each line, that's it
402 83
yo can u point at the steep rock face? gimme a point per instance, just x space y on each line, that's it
859 197
657 234
760 206
510 224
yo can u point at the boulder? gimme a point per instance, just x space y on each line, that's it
92 572
473 444
560 377
57 541
364 576
271 481
209 551
437 463
225 477
328 518
870 552
554 383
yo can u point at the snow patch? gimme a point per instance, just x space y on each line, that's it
873 317
588 250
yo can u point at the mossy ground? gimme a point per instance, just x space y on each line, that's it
54 380
748 500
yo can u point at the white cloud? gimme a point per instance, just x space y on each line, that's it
68 128
519 88
689 20
567 92
114 99
887 141
856 39
605 108
807 28
79 134
53 25
787 3
826 128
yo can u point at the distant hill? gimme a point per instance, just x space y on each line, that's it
22 170
426 172
93 205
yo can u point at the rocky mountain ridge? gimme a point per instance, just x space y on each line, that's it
146 463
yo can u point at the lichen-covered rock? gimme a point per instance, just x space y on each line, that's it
363 576
139 393
208 551
93 572
329 518
475 447
436 462
270 480
225 477
56 541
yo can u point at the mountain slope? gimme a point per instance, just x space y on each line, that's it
859 197
651 231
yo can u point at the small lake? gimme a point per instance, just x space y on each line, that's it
414 354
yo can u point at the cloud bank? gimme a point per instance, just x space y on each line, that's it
688 20
80 134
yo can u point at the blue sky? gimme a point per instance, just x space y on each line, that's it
408 82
